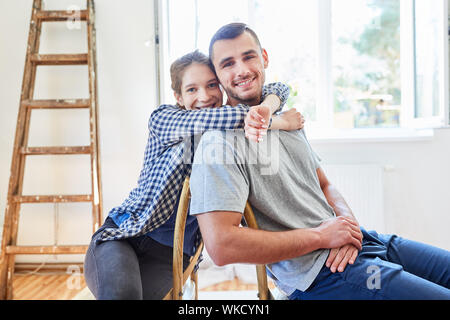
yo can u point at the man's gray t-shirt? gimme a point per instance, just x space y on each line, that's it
278 177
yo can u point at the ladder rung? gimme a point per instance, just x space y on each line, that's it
78 249
59 59
60 15
57 104
53 198
55 150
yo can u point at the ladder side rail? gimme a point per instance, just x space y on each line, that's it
9 236
93 115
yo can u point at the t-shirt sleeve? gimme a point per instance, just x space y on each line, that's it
217 180
315 157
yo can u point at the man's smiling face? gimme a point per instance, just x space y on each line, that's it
240 64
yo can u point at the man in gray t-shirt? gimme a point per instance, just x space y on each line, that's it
308 236
279 178
239 62
284 192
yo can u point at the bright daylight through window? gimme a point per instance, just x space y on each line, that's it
351 64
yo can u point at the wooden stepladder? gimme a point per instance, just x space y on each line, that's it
15 198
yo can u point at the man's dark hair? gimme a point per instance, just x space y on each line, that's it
231 31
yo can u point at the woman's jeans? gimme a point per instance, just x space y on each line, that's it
134 268
388 267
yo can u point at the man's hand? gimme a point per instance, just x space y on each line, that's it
338 232
257 122
340 257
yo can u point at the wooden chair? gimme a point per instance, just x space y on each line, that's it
180 277
261 274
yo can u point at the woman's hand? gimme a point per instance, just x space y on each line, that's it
257 122
288 120
292 119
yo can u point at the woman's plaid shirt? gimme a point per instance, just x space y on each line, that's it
168 160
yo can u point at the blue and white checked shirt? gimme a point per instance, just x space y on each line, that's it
171 136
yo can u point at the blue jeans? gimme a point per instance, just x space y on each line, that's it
388 267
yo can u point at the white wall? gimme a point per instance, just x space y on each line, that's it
416 187
126 98
416 191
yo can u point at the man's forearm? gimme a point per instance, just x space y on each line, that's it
337 202
244 245
333 196
227 242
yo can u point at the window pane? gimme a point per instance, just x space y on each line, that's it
366 63
191 25
291 45
181 18
427 49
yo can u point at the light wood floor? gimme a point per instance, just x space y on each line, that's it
46 287
66 287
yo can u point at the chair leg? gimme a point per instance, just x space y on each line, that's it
194 277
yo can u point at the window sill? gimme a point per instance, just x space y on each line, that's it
369 135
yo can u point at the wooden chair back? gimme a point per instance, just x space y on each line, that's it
180 277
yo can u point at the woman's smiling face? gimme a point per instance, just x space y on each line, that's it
199 88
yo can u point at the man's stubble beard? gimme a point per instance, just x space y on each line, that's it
252 101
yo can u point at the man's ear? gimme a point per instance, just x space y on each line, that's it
179 99
265 57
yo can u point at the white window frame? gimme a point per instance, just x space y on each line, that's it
408 119
162 38
324 87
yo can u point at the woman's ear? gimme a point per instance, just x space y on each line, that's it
179 99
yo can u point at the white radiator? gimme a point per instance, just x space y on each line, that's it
361 185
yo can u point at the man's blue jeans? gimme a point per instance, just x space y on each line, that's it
388 267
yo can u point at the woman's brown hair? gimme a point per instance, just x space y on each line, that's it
180 65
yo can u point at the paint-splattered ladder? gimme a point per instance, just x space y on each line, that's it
15 198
